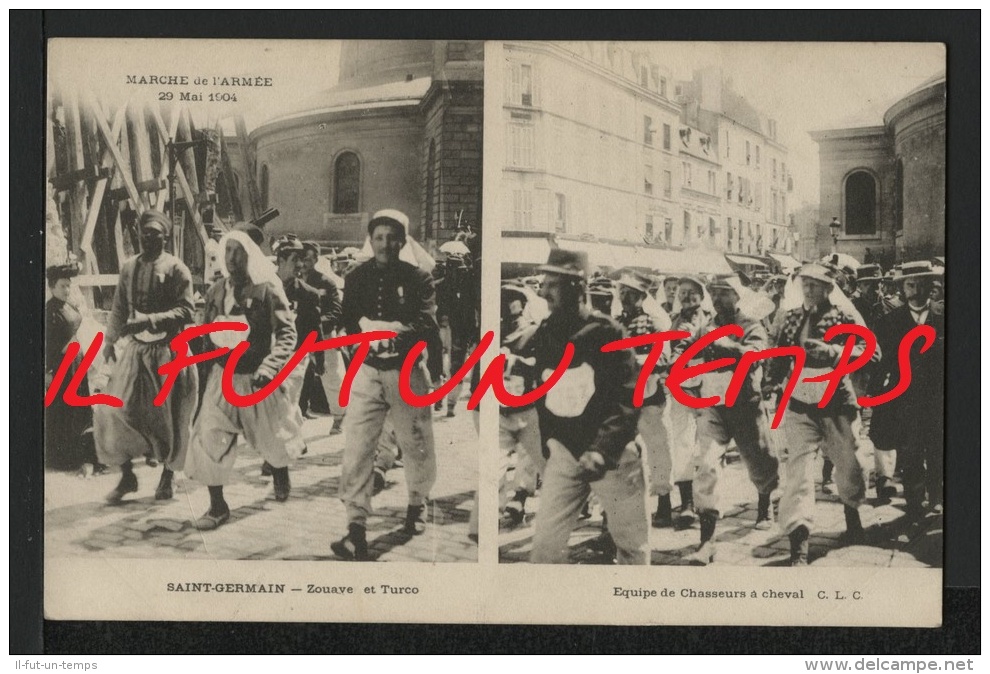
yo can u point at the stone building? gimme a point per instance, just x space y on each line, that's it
885 182
402 129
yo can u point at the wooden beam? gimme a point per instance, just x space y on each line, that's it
86 245
180 176
118 237
132 192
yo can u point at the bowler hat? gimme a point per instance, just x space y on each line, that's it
630 278
572 263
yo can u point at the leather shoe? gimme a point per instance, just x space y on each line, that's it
353 546
209 522
128 483
414 524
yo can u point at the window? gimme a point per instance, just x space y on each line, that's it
644 77
666 136
739 239
647 129
521 145
747 153
263 186
522 209
728 231
711 182
687 173
783 171
687 226
757 156
347 183
521 84
663 87
667 184
647 179
560 216
773 206
726 144
649 226
668 229
728 186
773 163
711 228
759 196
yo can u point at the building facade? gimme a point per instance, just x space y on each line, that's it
886 183
402 129
598 142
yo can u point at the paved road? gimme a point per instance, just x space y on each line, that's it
890 542
78 524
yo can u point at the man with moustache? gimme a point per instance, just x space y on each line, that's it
912 423
326 365
250 292
153 302
386 293
808 427
587 420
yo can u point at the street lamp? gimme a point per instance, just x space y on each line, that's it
835 227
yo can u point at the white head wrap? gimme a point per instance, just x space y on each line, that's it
794 298
259 268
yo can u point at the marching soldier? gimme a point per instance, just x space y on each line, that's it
587 420
809 428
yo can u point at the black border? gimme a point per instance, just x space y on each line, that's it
960 632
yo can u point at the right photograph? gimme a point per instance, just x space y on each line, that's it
723 264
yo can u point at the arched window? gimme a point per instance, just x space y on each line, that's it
347 183
263 186
430 168
861 204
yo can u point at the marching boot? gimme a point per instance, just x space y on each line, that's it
266 469
854 533
885 491
827 467
799 546
414 524
128 483
764 513
663 518
685 517
705 554
164 490
218 513
338 426
280 478
353 546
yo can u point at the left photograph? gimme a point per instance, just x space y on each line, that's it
225 220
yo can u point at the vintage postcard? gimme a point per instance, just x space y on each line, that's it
280 386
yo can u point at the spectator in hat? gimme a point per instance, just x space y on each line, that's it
587 420
808 427
327 366
387 293
153 302
912 423
867 299
633 288
68 436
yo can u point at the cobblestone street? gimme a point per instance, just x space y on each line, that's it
78 524
890 541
